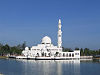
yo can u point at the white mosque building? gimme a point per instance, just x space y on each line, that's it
46 50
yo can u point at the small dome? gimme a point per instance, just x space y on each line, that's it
26 48
46 40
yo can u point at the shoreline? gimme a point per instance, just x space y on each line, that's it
2 57
96 58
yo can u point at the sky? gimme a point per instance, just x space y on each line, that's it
31 20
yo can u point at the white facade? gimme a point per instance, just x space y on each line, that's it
47 49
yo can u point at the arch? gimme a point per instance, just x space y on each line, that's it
70 55
49 54
45 54
59 54
38 54
63 54
73 55
67 55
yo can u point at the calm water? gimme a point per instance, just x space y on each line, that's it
40 67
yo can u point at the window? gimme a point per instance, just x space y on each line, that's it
59 35
66 55
47 49
72 55
47 43
76 53
69 55
63 54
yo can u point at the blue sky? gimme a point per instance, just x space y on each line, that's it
31 20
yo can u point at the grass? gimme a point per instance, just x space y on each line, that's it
3 57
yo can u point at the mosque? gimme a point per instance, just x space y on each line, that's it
46 50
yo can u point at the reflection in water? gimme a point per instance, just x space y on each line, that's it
51 67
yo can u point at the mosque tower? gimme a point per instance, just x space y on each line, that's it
59 35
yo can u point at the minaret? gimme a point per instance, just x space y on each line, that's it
59 35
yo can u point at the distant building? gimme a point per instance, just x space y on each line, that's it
47 50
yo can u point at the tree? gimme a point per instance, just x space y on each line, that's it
14 50
86 51
24 45
99 51
19 46
1 51
67 50
77 48
5 49
1 46
82 52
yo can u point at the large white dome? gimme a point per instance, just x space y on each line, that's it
46 40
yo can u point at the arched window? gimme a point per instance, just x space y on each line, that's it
59 54
66 55
63 54
38 54
73 55
70 55
49 54
45 54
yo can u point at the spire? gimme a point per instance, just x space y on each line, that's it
59 20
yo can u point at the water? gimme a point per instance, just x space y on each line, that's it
49 67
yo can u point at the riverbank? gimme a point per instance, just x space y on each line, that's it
2 57
81 57
96 58
1 74
86 57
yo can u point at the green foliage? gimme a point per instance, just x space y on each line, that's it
76 48
67 50
84 52
99 51
15 50
24 45
88 52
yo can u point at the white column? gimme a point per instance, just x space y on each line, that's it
59 35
